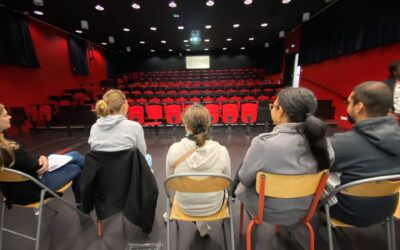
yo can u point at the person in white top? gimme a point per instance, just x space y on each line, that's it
394 83
209 157
112 130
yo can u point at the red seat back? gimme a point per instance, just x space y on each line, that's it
213 109
230 110
136 113
45 112
249 111
173 114
154 112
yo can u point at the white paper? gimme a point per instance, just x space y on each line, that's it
56 161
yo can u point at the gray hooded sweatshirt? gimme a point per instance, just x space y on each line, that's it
115 133
284 151
371 149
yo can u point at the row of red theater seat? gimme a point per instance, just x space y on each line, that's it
203 99
152 114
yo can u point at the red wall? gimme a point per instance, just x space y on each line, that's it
22 86
344 73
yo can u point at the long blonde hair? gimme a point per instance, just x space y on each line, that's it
198 120
6 149
111 103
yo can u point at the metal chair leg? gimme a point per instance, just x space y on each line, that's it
39 223
248 234
99 228
328 225
231 227
3 211
311 231
393 230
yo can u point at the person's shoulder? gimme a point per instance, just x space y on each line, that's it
130 123
339 139
265 138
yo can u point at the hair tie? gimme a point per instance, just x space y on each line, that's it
199 130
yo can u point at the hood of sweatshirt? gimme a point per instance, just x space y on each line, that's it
383 133
108 122
205 156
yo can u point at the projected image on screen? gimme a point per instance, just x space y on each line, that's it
197 62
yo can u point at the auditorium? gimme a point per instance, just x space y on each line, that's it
201 124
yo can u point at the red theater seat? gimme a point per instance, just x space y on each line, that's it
213 109
173 114
136 113
155 113
230 113
249 113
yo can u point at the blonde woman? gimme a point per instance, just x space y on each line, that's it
112 130
14 156
207 157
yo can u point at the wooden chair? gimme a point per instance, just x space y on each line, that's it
197 183
12 175
371 187
286 187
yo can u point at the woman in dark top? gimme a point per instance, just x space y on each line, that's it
12 155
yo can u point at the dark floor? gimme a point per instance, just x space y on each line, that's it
66 231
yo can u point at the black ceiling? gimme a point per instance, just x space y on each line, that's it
194 15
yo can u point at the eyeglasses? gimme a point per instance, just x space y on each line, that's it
272 106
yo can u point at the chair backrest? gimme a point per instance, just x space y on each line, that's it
136 113
290 186
230 113
154 112
196 183
213 109
249 112
371 187
10 176
173 114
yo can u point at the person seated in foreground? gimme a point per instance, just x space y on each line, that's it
370 149
206 156
297 145
112 130
14 156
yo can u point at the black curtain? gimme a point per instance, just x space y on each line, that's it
78 56
274 58
349 26
16 46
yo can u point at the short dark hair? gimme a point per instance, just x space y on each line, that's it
392 67
376 96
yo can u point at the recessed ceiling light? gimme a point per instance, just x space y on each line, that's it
152 50
229 39
236 25
99 7
128 49
264 24
224 48
208 26
206 49
38 2
286 1
103 43
206 40
136 6
175 15
142 42
185 41
293 45
187 45
163 41
37 12
126 29
180 27
242 48
172 4
153 28
251 38
210 3
187 49
170 50
247 2
78 31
